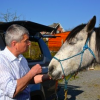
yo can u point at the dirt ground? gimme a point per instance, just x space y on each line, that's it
86 86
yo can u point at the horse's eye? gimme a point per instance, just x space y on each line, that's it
73 41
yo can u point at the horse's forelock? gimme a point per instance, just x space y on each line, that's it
74 32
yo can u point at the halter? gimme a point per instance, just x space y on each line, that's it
85 47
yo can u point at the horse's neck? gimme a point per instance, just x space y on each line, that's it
95 45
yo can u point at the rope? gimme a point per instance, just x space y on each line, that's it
81 53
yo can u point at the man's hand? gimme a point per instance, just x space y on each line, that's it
36 69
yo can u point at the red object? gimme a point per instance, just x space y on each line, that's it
54 44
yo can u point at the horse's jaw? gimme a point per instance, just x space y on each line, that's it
69 66
57 72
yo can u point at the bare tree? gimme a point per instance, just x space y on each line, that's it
8 16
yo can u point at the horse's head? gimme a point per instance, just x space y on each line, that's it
72 46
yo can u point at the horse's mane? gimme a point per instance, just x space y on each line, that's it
74 32
97 30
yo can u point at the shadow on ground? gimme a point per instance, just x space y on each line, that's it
72 92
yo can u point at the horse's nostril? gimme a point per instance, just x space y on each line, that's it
51 69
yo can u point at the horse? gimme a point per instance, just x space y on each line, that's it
80 49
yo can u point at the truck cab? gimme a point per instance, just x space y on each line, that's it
38 53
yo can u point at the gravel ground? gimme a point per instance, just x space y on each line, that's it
86 86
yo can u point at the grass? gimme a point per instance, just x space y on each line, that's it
98 97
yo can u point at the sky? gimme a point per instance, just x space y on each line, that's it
69 13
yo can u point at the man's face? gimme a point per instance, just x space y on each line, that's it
23 45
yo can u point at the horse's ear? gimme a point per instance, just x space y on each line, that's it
90 25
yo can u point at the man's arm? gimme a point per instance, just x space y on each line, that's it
41 78
24 81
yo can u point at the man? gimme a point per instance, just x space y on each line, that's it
15 74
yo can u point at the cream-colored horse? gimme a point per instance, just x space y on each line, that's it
73 45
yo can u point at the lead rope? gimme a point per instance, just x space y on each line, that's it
66 80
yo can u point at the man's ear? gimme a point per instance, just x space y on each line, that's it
13 43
